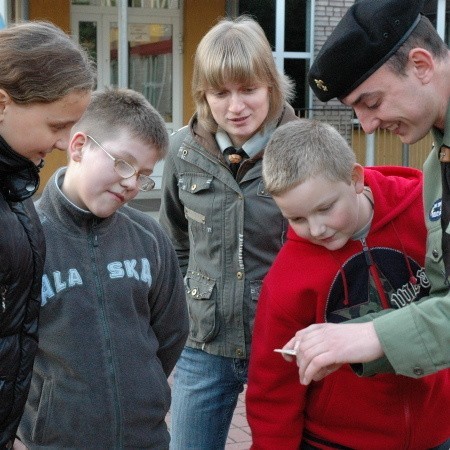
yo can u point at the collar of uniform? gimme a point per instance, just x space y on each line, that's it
443 138
252 147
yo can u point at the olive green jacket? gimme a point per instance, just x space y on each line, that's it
226 233
416 339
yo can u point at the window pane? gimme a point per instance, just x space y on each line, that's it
88 38
295 30
297 69
150 63
263 11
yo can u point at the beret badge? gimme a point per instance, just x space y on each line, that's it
320 85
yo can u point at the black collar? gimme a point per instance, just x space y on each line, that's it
19 177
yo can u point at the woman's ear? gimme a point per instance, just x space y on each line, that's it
76 145
358 177
5 100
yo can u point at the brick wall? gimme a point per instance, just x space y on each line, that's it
327 15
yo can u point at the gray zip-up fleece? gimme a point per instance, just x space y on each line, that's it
226 233
112 326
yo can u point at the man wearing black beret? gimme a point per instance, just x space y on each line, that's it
386 61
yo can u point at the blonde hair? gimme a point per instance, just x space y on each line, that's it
303 149
42 64
237 51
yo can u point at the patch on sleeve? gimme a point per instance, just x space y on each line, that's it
435 211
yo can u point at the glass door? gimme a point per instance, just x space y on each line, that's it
154 56
150 62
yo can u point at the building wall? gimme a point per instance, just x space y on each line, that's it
199 17
327 15
56 11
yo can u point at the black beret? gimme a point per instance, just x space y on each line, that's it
370 32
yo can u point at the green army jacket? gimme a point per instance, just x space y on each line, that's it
416 339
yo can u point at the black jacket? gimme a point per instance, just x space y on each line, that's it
22 252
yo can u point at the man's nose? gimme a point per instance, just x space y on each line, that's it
369 122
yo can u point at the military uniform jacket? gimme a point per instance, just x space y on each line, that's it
226 233
416 340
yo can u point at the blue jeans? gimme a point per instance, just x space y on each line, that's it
204 395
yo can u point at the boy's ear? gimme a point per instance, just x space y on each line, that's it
358 177
76 145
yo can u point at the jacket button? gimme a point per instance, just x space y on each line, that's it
239 275
239 353
193 187
418 371
435 253
194 292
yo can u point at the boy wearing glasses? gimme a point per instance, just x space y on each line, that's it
113 318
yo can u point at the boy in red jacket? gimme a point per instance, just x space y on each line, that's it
356 245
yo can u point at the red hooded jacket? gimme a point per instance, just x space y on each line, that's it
309 284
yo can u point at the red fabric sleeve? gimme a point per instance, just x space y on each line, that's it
275 398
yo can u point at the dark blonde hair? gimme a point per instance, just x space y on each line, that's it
114 110
41 63
237 51
303 149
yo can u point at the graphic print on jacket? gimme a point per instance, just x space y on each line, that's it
58 280
359 288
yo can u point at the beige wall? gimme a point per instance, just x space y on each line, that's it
388 149
199 17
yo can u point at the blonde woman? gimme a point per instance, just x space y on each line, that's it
225 228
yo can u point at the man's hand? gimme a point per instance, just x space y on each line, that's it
323 348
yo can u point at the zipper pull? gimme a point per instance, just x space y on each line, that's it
367 255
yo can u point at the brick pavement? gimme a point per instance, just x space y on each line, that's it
239 437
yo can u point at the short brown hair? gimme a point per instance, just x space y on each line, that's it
114 110
424 36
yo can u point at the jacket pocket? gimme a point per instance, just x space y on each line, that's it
255 290
435 268
43 409
201 306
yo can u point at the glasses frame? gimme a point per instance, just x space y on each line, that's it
144 182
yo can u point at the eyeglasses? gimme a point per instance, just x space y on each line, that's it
126 170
